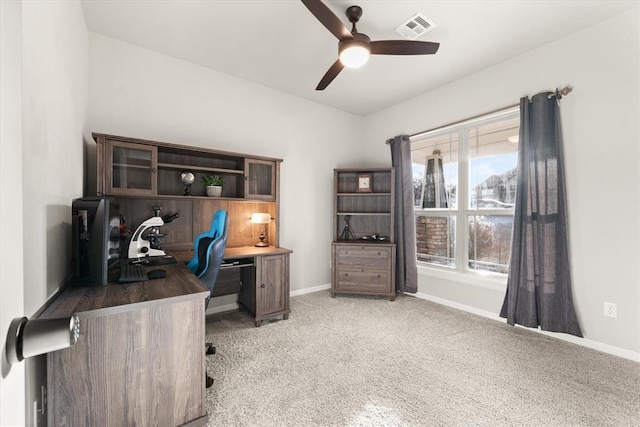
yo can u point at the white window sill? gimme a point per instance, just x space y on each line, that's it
496 282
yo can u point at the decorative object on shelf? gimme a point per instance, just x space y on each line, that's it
374 238
263 219
214 185
187 178
364 182
347 234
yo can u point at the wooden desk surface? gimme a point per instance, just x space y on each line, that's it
252 251
90 301
180 284
237 252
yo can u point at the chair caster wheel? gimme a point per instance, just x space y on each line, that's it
210 349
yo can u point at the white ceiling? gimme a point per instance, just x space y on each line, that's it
280 44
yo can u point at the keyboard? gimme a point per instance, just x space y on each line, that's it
132 273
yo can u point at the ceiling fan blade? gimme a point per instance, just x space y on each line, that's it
328 19
403 47
330 75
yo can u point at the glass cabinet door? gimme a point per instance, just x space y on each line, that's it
131 168
260 179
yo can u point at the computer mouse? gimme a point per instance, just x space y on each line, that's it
156 274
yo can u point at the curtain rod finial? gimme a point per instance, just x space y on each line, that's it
559 93
566 90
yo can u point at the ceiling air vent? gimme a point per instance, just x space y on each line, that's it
415 27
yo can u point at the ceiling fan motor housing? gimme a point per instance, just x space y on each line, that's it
359 39
359 42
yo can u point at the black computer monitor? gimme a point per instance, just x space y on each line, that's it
95 238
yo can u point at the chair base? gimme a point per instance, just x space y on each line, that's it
208 380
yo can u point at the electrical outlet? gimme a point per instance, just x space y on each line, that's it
610 309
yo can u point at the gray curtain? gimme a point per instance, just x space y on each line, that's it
405 227
539 283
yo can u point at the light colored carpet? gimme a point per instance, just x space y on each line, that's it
354 361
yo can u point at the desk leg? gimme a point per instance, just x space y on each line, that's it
258 323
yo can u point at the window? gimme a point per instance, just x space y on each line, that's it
464 180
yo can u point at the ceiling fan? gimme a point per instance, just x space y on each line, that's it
354 48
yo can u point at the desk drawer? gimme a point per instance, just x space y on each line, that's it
363 280
365 256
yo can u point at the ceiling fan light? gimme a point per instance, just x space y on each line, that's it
355 54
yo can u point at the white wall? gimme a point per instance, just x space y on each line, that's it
55 89
139 93
11 283
601 137
44 90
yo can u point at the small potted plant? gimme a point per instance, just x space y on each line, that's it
214 185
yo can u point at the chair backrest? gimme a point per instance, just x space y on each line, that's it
218 226
209 251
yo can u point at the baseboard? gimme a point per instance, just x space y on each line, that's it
310 290
221 308
585 342
234 307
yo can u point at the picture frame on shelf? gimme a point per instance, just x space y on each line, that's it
364 182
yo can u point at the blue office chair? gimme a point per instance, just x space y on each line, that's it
208 255
202 261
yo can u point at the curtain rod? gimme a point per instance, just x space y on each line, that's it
558 93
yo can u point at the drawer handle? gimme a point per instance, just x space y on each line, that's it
379 253
378 276
362 270
346 274
262 286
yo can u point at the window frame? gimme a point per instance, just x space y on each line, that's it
463 212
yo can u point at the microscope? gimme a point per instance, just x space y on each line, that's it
144 242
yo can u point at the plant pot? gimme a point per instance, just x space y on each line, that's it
214 190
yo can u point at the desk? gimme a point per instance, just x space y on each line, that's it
260 277
139 359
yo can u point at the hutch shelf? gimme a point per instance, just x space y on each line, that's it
363 248
144 174
136 167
